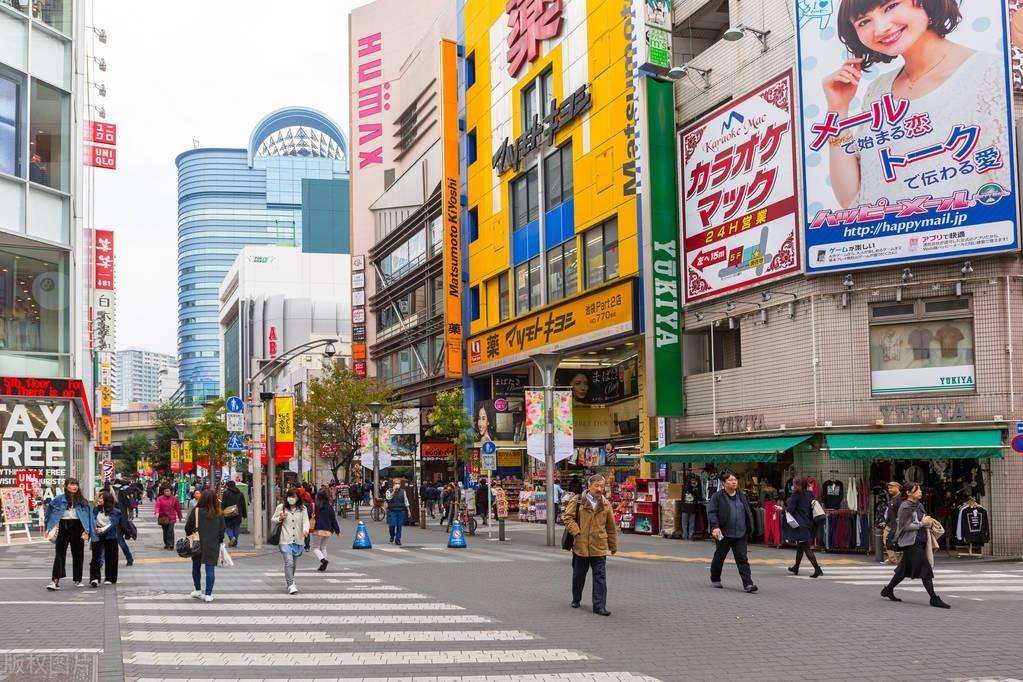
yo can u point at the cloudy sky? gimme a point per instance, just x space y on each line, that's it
204 70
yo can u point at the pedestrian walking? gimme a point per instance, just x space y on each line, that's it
800 507
731 521
107 517
168 512
122 498
69 522
447 499
590 521
324 526
206 519
234 510
307 500
293 520
690 498
483 501
397 510
890 518
913 535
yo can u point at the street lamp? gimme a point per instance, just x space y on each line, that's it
375 411
548 363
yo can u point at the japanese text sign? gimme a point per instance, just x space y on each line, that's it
907 153
284 428
101 132
739 193
451 208
529 23
103 253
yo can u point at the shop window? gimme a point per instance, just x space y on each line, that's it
54 13
700 30
470 147
48 142
537 98
10 123
528 286
697 347
525 199
601 253
472 224
470 70
922 346
33 301
562 281
474 303
546 92
557 177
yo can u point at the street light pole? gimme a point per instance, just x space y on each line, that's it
375 410
548 363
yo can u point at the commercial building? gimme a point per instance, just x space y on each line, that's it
288 187
898 359
139 376
45 250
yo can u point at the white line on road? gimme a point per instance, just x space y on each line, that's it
305 607
374 658
193 620
286 597
543 677
51 651
276 637
340 582
448 635
53 603
943 583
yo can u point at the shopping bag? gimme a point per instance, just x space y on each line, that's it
225 560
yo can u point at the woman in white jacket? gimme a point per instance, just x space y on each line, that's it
294 522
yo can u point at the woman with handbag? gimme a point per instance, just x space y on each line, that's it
234 511
912 536
206 524
799 509
291 528
168 512
107 531
69 521
325 525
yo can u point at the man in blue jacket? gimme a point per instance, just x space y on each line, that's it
731 521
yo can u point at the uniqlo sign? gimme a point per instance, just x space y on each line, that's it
101 133
529 22
100 157
103 249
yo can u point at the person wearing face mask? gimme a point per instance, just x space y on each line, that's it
69 522
104 541
168 512
293 520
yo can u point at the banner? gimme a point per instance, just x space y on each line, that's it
739 212
175 457
15 506
908 154
564 431
383 446
284 428
536 424
186 455
451 208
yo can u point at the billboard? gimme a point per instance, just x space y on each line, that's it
907 132
739 208
451 208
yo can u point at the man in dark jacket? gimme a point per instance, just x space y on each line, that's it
482 499
233 518
891 514
731 522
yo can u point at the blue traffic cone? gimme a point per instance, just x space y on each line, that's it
456 540
361 540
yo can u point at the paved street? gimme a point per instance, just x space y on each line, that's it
499 611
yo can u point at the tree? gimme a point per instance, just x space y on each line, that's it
211 434
449 420
335 409
168 416
134 448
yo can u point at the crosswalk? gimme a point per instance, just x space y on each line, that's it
353 629
986 580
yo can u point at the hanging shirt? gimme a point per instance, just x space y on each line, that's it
833 493
913 474
920 342
852 498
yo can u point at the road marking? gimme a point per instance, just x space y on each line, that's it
354 577
374 658
53 603
51 651
542 677
192 620
947 584
361 581
285 597
305 607
275 637
448 635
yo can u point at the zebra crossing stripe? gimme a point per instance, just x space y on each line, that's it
542 677
300 597
195 620
375 658
276 637
196 605
448 635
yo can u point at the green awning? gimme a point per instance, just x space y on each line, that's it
726 450
916 445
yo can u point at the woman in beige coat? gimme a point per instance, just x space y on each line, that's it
590 521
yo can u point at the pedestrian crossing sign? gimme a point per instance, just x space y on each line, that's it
235 442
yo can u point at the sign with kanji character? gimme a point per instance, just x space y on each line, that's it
738 204
452 213
906 161
101 132
104 332
529 23
284 428
103 257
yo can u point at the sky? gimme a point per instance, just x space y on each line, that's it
196 70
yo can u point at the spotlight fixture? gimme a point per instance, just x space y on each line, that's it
101 34
101 63
100 111
730 305
763 316
967 268
731 323
907 275
959 289
101 88
679 72
792 309
898 294
739 32
848 281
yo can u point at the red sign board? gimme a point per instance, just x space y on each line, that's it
101 157
24 387
360 368
103 248
437 450
271 343
101 132
529 23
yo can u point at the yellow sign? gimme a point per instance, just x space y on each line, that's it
175 456
186 454
451 210
509 458
588 318
105 430
106 394
284 427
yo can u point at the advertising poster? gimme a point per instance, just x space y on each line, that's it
15 506
34 444
907 132
366 446
600 385
564 431
564 428
739 208
284 428
175 457
536 422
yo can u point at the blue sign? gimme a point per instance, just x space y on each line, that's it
235 404
235 442
1019 428
489 447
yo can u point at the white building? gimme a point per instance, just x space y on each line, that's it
139 376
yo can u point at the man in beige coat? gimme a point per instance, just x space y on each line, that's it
590 520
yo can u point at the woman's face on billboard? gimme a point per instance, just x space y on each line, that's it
892 27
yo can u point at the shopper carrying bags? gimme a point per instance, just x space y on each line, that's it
207 521
293 522
168 512
69 522
800 507
589 520
105 536
912 533
233 505
325 526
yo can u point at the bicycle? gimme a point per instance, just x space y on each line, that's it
378 510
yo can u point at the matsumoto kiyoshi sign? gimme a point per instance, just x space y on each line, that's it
34 438
907 153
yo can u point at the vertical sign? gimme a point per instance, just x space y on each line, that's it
103 245
899 169
660 203
451 208
530 22
657 18
175 457
284 428
739 187
536 423
564 427
271 342
186 455
359 365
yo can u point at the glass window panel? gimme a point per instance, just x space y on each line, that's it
33 301
611 250
566 172
552 180
520 205
502 296
528 106
54 13
901 354
535 283
571 275
522 288
594 254
546 91
555 274
49 137
417 245
533 194
9 134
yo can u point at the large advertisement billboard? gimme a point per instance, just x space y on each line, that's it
907 132
739 193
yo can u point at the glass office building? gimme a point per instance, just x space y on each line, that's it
230 198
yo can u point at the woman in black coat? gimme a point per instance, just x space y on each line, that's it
800 507
325 526
207 520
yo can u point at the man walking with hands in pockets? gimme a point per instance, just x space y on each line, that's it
590 521
731 522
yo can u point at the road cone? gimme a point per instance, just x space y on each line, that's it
361 540
456 540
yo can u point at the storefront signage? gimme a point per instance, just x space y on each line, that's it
358 315
358 263
923 413
437 450
101 132
601 385
35 439
451 209
923 379
372 99
541 134
358 280
271 343
15 505
103 247
500 419
359 367
739 177
894 178
186 455
100 157
740 423
529 23
509 385
596 316
359 333
175 457
284 428
657 18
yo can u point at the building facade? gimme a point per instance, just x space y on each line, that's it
45 251
139 376
288 187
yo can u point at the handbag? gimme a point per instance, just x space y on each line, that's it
817 511
190 545
791 520
231 512
275 535
163 520
567 539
